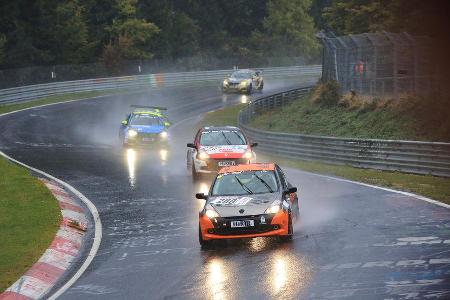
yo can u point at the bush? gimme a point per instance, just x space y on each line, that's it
326 94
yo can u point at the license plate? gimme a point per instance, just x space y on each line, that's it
147 139
226 163
243 223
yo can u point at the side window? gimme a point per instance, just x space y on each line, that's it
282 177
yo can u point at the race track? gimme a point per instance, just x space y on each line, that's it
353 241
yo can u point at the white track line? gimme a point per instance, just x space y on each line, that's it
97 223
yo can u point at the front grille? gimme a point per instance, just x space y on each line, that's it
223 225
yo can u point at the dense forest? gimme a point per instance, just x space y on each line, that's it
54 32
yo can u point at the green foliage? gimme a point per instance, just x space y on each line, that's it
290 30
2 47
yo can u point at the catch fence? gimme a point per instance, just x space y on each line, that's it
380 64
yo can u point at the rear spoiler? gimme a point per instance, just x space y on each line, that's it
151 107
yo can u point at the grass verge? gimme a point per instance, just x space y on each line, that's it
436 188
57 98
325 112
29 219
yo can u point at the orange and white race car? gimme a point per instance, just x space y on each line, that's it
216 147
247 201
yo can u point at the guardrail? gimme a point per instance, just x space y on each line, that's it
30 92
404 156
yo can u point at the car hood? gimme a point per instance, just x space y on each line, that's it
225 151
236 80
147 129
230 206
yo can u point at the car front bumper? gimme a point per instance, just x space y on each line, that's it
219 228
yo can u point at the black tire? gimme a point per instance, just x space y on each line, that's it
204 244
288 237
249 89
261 86
195 175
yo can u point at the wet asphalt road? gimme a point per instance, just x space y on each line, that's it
352 241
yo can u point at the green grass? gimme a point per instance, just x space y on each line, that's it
29 219
222 117
436 188
57 98
304 117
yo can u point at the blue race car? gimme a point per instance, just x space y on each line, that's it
146 125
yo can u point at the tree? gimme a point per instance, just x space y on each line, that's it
290 29
129 37
2 47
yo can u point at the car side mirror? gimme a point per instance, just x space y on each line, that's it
191 145
254 144
124 122
290 190
201 196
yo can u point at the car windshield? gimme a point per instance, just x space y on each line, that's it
245 183
222 137
242 74
147 120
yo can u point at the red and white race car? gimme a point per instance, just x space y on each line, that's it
217 147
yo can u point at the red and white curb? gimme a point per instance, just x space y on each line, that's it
60 255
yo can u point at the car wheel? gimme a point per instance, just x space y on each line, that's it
204 244
288 237
195 175
261 86
249 89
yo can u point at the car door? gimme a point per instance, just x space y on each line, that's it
191 152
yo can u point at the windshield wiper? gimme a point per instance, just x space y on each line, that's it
243 142
265 183
228 141
244 187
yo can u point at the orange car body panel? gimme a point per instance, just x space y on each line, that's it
281 218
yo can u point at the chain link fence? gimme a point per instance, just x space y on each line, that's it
380 64
48 74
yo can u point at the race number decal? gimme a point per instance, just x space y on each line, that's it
231 201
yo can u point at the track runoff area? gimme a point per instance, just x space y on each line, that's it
352 241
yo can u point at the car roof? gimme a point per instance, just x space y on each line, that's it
248 167
219 128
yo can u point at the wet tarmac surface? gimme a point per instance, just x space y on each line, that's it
352 241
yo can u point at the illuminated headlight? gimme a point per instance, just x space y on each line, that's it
210 212
163 134
202 155
132 133
243 83
274 208
248 155
225 82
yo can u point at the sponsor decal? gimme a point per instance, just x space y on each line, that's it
224 149
231 201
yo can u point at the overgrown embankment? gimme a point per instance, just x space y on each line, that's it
325 112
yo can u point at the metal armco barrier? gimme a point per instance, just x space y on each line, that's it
30 92
404 156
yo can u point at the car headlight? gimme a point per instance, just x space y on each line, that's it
202 155
225 82
248 155
163 134
243 83
274 208
132 133
210 212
